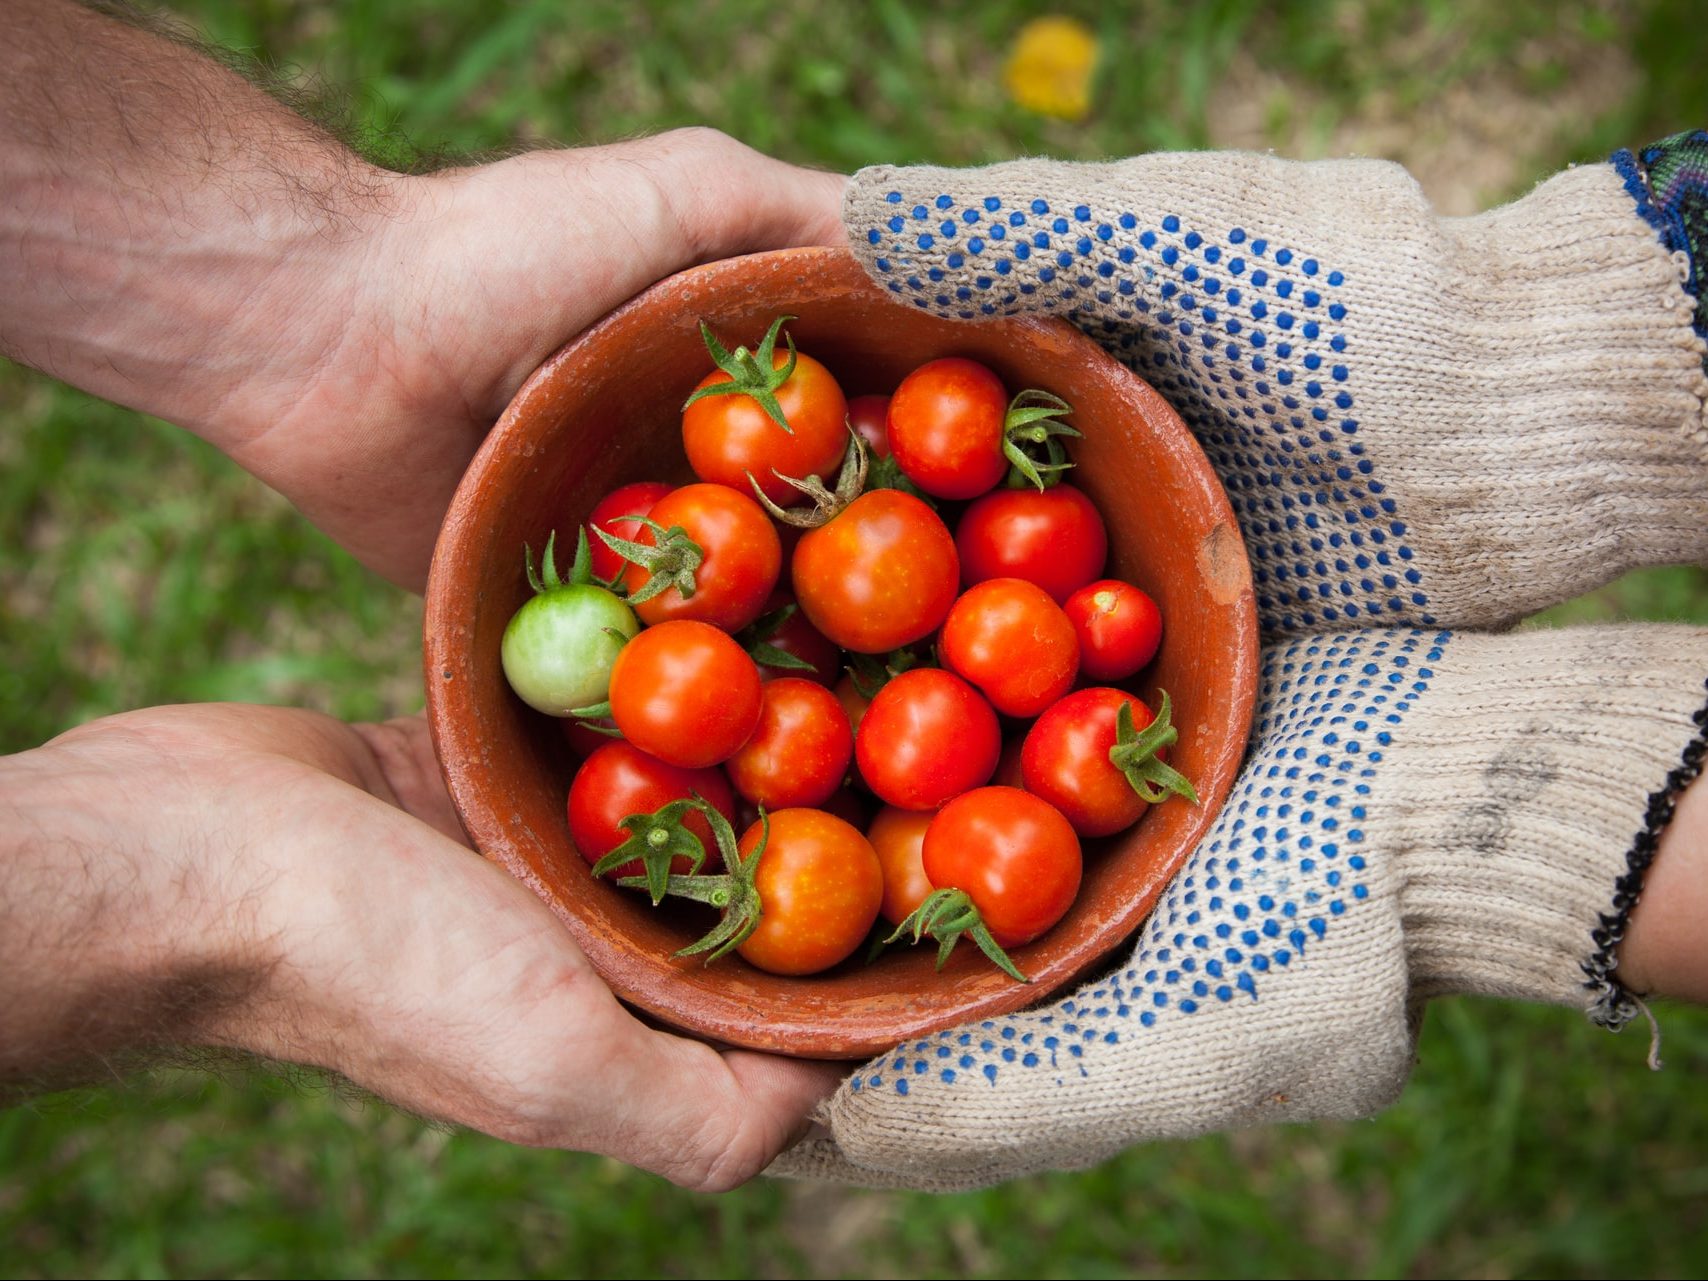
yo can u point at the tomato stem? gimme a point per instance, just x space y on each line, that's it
945 915
672 559
1135 755
751 373
735 892
850 484
1030 433
656 839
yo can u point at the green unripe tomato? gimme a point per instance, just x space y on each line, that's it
559 647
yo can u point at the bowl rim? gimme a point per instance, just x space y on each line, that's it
468 776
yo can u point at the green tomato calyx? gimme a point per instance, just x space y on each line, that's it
751 373
1031 439
546 578
1135 755
672 559
657 839
735 892
945 915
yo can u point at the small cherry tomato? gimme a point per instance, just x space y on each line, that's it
800 751
730 437
927 736
1119 629
1012 641
560 647
616 514
820 886
1066 761
1015 856
946 428
741 558
686 693
618 781
1054 539
880 574
899 838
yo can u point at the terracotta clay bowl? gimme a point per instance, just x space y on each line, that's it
604 411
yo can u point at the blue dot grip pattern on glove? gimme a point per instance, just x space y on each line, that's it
1245 338
1286 860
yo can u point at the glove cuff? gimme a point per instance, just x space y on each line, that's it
1669 181
1527 800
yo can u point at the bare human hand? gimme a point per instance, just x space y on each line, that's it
279 882
177 241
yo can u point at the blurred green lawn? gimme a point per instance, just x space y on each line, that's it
137 567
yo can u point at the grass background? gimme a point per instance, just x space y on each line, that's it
137 566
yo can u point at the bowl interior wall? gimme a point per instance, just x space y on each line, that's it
606 411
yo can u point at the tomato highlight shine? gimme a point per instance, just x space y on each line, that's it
686 693
1054 539
821 887
926 737
1014 855
879 575
1012 641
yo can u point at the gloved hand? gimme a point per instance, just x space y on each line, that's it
1439 422
1426 420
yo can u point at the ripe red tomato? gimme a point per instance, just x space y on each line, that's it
946 428
1119 629
620 780
730 437
742 558
820 884
799 753
615 514
686 693
926 737
1066 760
898 836
1012 641
880 574
1054 539
1014 855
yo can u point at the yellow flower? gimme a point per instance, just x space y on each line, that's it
1049 69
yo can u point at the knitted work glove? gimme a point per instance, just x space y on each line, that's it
1421 420
1407 411
1423 813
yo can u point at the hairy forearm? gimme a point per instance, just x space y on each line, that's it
171 237
111 943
